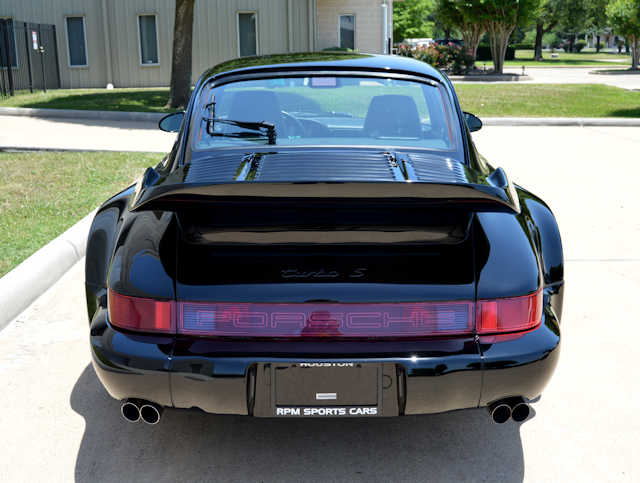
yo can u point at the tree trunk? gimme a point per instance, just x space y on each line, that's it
180 89
598 43
635 52
537 52
499 34
471 36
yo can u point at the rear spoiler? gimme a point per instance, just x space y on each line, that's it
496 194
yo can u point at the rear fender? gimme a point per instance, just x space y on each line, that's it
101 241
545 233
133 253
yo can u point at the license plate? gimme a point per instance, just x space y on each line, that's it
325 389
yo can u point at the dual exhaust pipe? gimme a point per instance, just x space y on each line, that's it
515 408
134 410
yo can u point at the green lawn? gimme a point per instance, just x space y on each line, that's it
141 100
44 193
532 100
583 59
548 100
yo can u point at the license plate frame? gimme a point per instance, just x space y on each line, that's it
291 389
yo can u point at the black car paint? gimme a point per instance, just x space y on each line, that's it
134 252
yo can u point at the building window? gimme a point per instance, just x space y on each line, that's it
7 24
348 32
247 33
76 42
148 39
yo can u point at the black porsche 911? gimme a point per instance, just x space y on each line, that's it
324 240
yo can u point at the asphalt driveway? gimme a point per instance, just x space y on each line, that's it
58 424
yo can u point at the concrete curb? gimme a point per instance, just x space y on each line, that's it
25 283
490 78
20 149
79 114
562 121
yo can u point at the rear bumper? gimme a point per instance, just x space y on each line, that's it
233 377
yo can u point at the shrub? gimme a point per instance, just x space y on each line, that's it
450 57
552 40
338 49
484 53
523 46
579 45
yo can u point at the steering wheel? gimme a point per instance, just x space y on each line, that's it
293 125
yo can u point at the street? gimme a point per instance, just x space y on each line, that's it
59 424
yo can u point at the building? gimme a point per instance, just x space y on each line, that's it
128 43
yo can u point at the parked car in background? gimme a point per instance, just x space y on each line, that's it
424 42
458 42
324 240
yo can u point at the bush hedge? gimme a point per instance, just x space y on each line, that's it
484 53
579 45
338 49
451 58
523 46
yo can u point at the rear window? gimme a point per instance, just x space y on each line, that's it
324 110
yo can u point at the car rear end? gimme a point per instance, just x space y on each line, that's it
366 270
321 306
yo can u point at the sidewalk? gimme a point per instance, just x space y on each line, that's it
83 134
25 132
549 75
583 428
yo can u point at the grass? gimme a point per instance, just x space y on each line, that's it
139 100
564 59
526 100
548 100
44 193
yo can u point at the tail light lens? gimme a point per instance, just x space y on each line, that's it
321 320
509 314
326 320
141 314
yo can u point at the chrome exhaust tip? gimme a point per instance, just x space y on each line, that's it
130 411
500 412
520 411
151 413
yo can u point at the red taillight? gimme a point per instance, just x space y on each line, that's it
509 314
141 314
321 320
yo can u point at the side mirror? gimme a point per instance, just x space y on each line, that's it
171 122
473 122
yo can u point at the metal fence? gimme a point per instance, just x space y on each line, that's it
28 57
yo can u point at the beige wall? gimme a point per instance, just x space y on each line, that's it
369 23
54 12
113 47
283 26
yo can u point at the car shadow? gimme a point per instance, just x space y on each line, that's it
194 446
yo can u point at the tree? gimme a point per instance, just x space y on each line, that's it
500 18
547 15
464 15
180 87
624 16
411 19
597 12
574 19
